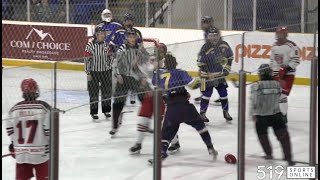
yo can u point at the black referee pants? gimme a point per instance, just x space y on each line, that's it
120 96
100 81
280 130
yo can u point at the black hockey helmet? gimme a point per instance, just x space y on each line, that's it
265 72
131 31
213 30
99 28
129 16
207 19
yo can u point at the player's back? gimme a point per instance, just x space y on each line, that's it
173 81
28 127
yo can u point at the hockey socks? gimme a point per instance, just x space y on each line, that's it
206 138
142 127
224 103
204 103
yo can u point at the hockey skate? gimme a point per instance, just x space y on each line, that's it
107 115
94 117
163 157
227 116
204 117
213 153
217 101
135 149
113 131
174 148
197 100
268 157
132 99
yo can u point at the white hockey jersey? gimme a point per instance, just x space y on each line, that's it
28 128
286 54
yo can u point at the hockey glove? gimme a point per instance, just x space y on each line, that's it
283 71
11 150
225 72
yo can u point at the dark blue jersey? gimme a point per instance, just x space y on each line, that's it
213 58
120 37
111 29
174 82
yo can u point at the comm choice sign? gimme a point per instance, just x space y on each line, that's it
38 42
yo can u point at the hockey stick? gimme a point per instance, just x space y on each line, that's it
9 154
236 84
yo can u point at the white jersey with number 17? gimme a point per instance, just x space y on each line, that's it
28 128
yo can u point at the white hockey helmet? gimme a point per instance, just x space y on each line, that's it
106 15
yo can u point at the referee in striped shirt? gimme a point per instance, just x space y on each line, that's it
128 74
265 111
98 67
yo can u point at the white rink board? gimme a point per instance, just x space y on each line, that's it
185 44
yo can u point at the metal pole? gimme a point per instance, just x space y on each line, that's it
225 15
67 11
302 15
157 127
169 13
254 19
242 51
28 10
241 125
54 133
107 4
147 13
313 105
230 14
199 14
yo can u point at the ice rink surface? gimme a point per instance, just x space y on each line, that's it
88 153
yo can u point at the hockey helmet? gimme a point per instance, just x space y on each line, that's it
265 72
162 46
106 15
207 19
281 32
29 88
129 16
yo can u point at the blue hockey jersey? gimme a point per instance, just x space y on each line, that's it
120 36
111 29
214 58
174 82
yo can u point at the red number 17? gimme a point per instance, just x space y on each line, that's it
33 124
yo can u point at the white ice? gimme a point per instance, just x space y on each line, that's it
88 153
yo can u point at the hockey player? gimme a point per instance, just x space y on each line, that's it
146 109
284 61
179 110
28 128
120 36
206 23
128 74
265 111
110 26
215 58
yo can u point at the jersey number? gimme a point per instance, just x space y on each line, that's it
167 76
33 124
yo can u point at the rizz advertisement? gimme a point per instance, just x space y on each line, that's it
37 42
